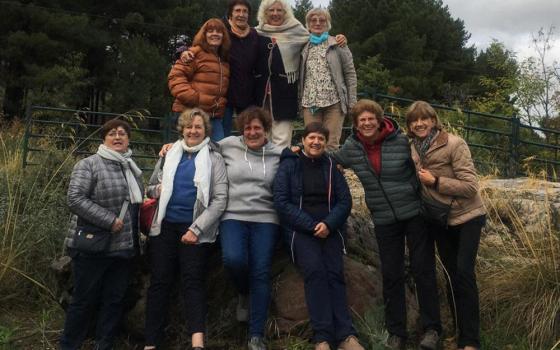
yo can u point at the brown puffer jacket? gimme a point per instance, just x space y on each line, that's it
201 83
449 159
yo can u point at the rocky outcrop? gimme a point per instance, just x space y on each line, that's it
527 203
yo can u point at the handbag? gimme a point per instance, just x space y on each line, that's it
92 239
435 212
148 211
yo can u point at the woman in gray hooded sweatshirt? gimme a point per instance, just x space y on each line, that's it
249 228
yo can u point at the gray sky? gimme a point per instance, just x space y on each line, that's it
509 21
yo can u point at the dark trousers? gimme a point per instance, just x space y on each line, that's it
320 262
100 285
168 256
391 241
457 247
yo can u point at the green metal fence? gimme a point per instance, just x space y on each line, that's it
78 131
500 144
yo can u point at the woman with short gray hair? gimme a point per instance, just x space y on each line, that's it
327 78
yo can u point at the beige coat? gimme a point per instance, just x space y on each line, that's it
449 159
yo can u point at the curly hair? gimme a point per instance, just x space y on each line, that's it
365 105
187 116
265 4
251 113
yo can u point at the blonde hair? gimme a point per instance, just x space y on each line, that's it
265 4
187 116
319 11
420 110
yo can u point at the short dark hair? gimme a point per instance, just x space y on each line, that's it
233 3
315 127
113 124
254 113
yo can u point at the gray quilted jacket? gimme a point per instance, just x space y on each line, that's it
96 193
393 194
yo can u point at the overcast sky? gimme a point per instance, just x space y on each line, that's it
509 21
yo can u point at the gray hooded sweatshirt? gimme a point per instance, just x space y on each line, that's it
250 176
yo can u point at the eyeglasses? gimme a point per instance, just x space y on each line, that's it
318 20
117 133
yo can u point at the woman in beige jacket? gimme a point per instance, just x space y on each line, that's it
446 170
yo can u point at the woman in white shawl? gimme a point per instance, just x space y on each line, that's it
192 187
281 39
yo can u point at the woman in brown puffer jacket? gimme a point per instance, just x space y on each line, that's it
203 82
446 170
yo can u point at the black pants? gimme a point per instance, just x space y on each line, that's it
457 247
98 282
167 257
320 262
391 240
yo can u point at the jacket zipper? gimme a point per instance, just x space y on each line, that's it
221 84
378 178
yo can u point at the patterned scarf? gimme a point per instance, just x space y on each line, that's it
290 37
423 145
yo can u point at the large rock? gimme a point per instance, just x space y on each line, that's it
522 203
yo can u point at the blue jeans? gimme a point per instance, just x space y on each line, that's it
227 120
247 249
217 129
99 282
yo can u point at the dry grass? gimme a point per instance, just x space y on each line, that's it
519 270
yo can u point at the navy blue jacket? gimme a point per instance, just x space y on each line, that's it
269 65
288 192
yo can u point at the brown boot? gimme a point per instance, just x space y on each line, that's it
350 343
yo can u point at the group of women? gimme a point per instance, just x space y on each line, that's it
205 187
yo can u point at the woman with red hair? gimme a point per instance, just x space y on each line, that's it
203 81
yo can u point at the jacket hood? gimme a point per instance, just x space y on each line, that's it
391 129
287 153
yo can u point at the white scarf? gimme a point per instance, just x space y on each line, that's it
131 170
202 173
291 37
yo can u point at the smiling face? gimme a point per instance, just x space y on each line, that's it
275 14
368 125
214 37
117 140
240 16
254 134
317 24
194 132
422 126
314 144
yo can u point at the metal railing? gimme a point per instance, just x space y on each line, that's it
78 132
500 144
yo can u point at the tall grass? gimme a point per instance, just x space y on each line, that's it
520 267
33 214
